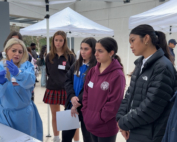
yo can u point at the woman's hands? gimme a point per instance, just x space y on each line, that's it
74 101
125 134
13 69
2 77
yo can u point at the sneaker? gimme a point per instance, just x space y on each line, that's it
56 140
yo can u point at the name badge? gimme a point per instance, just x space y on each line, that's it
90 84
61 67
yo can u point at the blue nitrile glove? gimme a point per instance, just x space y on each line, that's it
13 69
2 77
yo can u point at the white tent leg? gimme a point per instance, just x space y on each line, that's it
48 122
47 21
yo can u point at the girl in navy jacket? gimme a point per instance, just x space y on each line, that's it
74 86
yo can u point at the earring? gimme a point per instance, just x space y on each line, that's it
146 43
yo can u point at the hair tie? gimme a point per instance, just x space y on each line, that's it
156 33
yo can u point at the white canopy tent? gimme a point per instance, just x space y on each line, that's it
69 21
162 17
41 2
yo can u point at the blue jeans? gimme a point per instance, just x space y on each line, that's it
43 76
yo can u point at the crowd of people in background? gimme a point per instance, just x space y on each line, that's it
91 84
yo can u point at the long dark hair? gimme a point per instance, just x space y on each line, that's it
110 44
91 42
43 49
65 48
29 50
158 38
13 33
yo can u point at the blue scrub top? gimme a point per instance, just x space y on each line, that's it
16 108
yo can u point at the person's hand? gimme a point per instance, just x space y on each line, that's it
125 134
74 101
74 111
2 77
13 69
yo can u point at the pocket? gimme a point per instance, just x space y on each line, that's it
93 120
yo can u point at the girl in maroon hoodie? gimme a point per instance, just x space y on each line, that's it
103 92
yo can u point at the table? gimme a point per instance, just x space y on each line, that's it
8 134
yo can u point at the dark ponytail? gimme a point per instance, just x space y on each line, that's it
119 59
158 38
110 44
162 42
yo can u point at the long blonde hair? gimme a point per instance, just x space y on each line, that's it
65 48
8 45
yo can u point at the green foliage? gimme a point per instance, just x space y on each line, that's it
39 41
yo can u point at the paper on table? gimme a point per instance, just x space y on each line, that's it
25 138
66 122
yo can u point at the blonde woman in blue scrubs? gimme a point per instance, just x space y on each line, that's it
17 79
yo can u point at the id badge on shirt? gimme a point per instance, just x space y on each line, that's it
90 84
61 67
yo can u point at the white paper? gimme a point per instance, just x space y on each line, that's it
66 122
8 134
25 138
61 67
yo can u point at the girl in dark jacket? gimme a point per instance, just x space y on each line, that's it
58 62
143 113
103 92
74 86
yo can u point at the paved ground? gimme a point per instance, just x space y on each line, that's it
43 110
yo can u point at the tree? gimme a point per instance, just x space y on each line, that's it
38 40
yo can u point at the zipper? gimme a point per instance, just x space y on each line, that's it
132 96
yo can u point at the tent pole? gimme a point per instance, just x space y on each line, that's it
47 25
47 21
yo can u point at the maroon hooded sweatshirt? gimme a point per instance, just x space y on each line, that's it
103 93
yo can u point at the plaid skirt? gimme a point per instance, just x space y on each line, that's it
55 97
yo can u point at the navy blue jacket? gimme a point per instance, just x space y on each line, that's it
171 129
172 53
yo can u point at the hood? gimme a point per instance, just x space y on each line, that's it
113 66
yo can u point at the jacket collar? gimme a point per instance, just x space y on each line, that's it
158 54
171 49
